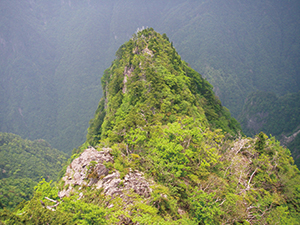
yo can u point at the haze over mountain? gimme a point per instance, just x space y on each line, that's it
161 149
52 54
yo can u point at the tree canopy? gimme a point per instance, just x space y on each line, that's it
160 118
23 163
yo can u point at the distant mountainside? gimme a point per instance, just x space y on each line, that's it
22 165
162 149
52 54
274 115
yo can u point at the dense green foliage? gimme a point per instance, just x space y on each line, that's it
239 186
22 164
274 115
240 47
52 53
149 84
160 117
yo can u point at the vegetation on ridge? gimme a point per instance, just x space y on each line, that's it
52 53
160 117
149 84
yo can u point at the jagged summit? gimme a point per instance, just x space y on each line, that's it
147 84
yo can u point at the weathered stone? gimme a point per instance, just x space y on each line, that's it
137 182
82 171
77 171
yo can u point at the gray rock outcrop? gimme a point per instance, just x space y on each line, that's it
77 172
88 170
134 180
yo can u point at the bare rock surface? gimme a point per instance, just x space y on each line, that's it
77 172
88 169
134 180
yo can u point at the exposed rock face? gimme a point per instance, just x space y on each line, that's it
77 172
127 74
148 51
88 169
112 184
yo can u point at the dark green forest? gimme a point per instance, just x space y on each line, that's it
53 53
23 163
162 149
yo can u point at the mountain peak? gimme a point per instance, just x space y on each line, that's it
160 157
149 83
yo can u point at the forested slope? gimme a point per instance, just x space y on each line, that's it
274 115
165 151
23 163
52 54
149 78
